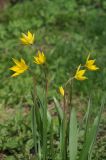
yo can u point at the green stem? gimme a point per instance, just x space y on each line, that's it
63 131
69 81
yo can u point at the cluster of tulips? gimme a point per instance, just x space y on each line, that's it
43 123
40 59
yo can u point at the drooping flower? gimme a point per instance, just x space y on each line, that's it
61 90
40 58
27 39
90 64
19 67
80 74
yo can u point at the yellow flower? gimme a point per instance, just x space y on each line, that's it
27 39
80 74
90 64
19 68
61 90
40 58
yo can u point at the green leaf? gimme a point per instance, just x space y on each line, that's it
58 108
10 158
91 137
51 141
73 135
49 118
38 113
87 117
34 128
94 138
89 140
29 145
12 143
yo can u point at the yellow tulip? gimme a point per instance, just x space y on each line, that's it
80 74
19 68
61 90
27 39
90 64
40 58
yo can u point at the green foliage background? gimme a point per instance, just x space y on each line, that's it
66 31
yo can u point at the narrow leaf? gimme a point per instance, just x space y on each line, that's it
58 108
94 139
73 135
91 137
